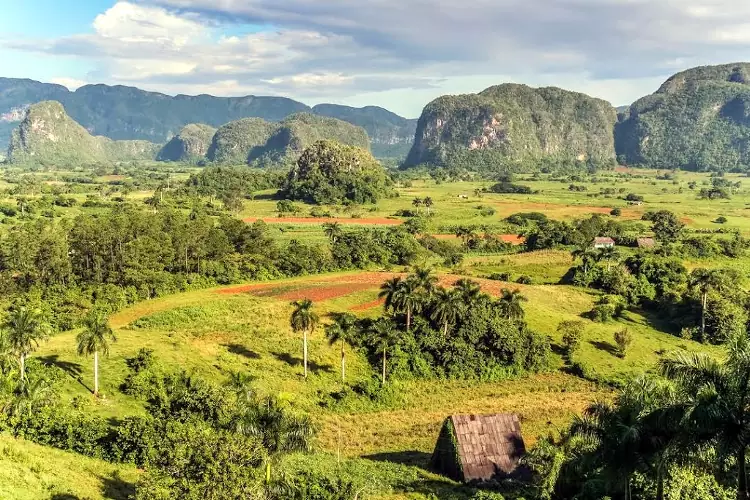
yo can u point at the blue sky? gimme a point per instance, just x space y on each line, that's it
398 54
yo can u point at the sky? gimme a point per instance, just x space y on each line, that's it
398 54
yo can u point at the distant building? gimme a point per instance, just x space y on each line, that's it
646 242
480 447
603 242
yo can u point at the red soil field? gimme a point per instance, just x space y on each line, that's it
368 305
323 291
510 238
379 221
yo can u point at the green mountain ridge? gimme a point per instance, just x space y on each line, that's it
128 113
698 119
252 139
48 135
517 123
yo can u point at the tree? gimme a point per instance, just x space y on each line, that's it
388 291
384 336
25 329
417 203
588 256
304 320
447 307
470 290
715 408
407 299
608 254
333 231
511 303
343 330
276 428
572 333
95 339
427 202
705 280
667 227
424 279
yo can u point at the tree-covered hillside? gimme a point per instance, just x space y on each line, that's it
699 119
254 140
127 113
515 124
192 143
47 135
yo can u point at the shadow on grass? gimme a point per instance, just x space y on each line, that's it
64 496
605 346
414 458
314 367
557 349
241 350
117 488
73 369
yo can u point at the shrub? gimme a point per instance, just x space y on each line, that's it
504 276
616 212
572 333
721 220
525 280
623 339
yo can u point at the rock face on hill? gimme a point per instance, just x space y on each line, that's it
391 136
191 144
515 123
48 135
699 119
127 113
253 140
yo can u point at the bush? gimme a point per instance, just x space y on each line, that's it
623 339
510 188
721 220
572 333
525 280
616 212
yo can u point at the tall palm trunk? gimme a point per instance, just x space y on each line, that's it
96 373
408 319
343 363
703 314
384 354
22 362
445 329
742 479
268 471
304 350
659 484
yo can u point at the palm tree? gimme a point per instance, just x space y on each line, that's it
588 256
25 330
447 307
716 400
470 290
343 330
705 280
511 304
95 339
7 355
417 203
388 290
278 430
29 398
427 202
332 230
629 434
407 299
384 336
424 279
304 320
608 254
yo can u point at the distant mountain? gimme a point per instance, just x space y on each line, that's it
698 119
129 113
190 144
47 135
254 140
515 123
391 135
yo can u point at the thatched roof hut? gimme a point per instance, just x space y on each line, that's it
479 447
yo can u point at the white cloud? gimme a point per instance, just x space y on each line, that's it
69 83
401 53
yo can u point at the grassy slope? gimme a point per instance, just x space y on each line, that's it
214 333
32 472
